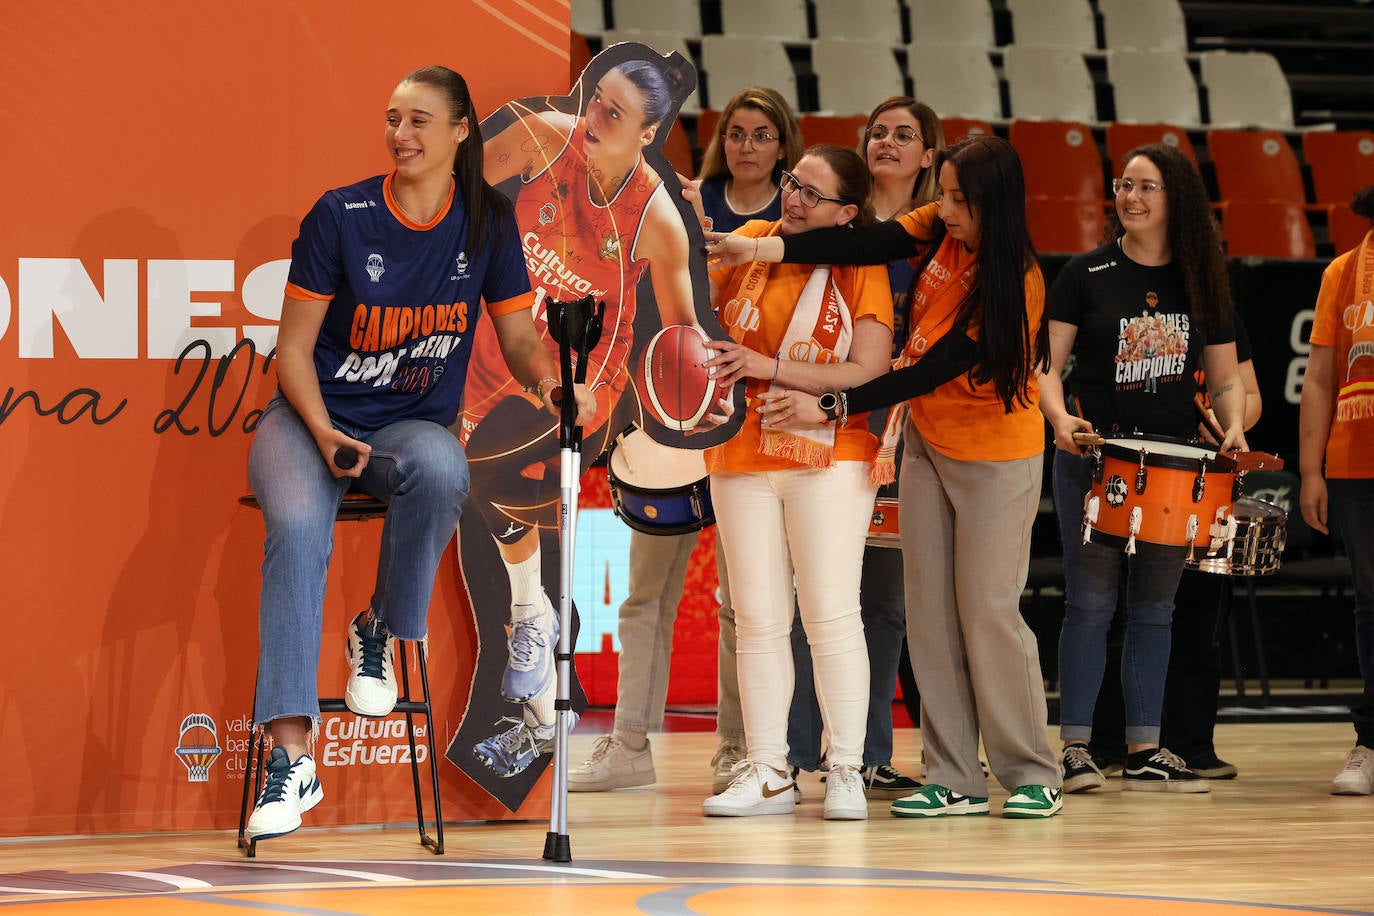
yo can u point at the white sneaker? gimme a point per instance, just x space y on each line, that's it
727 757
371 689
291 790
1357 777
756 789
612 765
844 794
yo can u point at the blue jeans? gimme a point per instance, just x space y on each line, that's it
417 467
1351 503
1092 581
883 609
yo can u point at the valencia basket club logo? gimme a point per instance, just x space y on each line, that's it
198 746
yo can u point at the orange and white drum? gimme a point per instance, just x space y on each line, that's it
1155 494
882 528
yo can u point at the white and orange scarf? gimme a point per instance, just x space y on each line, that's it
820 331
1355 400
936 302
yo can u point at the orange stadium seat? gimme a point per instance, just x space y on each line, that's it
1064 225
678 149
1266 229
1345 227
1255 165
1122 138
1060 158
708 120
959 128
1341 161
841 130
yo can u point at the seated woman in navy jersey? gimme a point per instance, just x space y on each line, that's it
387 276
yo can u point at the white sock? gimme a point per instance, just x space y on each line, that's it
540 710
635 741
526 585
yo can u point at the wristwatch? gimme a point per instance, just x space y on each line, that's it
831 404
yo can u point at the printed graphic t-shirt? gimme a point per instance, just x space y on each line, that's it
396 338
1137 345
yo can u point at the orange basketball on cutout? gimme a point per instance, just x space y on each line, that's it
674 384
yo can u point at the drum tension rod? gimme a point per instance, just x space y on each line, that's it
1200 481
1141 475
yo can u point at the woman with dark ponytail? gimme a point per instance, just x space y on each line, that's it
386 280
966 396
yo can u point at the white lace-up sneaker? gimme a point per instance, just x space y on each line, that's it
613 765
371 689
1357 776
530 648
844 794
727 757
290 790
756 789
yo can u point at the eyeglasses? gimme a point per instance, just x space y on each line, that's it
736 137
1126 186
902 136
809 196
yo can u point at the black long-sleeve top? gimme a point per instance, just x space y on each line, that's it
948 358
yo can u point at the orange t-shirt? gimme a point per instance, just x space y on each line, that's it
1346 323
871 299
959 419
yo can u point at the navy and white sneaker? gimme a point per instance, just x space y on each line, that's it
371 689
291 790
509 753
937 801
530 648
1160 770
1080 770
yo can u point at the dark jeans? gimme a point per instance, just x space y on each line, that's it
1194 680
1351 504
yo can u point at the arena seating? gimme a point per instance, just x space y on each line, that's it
1132 71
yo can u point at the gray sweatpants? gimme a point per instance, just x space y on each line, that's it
966 528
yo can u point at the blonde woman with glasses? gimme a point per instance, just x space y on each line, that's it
757 139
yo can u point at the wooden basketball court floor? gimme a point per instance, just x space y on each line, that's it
1273 841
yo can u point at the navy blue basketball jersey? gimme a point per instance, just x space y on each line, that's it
398 333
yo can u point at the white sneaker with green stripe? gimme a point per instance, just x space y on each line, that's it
937 801
1034 801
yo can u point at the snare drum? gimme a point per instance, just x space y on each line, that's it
1249 541
1160 495
656 489
882 528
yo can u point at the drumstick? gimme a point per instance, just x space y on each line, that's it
1208 418
1083 437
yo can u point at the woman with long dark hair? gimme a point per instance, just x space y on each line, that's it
966 392
1140 314
372 350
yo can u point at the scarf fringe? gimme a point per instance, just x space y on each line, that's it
797 448
883 472
1357 407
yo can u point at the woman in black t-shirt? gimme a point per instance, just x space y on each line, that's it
1138 315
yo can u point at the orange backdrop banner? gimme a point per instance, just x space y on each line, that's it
160 159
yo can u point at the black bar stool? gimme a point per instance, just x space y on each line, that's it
359 507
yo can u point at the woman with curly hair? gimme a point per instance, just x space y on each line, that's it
1162 274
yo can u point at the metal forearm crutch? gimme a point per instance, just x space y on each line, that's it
576 325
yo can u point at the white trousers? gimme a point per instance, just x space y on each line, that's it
802 527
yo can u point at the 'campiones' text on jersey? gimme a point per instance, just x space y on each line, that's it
398 333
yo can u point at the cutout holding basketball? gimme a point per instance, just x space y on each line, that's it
675 386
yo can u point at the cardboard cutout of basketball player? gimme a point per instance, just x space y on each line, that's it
600 213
